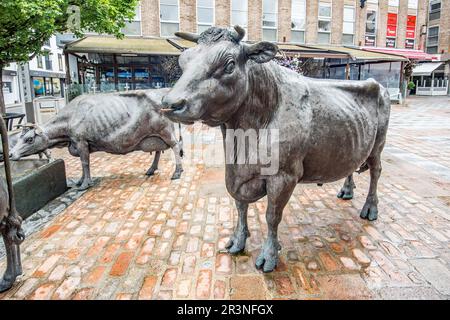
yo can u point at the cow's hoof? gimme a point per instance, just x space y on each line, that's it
6 284
79 182
236 244
176 175
85 186
150 172
268 259
369 211
345 193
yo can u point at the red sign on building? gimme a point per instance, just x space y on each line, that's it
391 30
411 27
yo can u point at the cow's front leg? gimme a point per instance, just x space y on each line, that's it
346 192
241 233
83 149
279 190
370 209
154 167
178 151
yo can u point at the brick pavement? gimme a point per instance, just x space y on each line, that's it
131 237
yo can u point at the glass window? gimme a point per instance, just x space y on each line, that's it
48 61
39 86
433 39
435 10
133 27
205 14
324 23
393 3
270 20
371 22
298 18
39 61
348 29
60 62
412 4
56 83
169 17
239 14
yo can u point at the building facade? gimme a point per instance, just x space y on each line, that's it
380 23
438 35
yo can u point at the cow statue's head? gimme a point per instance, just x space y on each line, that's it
215 79
32 140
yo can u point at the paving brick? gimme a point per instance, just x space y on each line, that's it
203 286
121 265
146 291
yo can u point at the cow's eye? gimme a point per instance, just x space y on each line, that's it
229 68
29 140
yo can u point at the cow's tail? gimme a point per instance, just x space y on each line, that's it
180 141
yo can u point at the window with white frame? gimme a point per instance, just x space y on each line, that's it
348 30
239 14
270 20
169 17
133 27
433 39
298 21
435 10
393 3
412 4
205 15
324 23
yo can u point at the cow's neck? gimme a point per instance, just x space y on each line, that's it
56 132
261 103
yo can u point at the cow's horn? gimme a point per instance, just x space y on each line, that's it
188 36
240 33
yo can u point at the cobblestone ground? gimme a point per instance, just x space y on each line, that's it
131 237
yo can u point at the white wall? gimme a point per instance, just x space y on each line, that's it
54 50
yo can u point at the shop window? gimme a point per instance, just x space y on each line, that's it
39 86
298 21
270 20
169 17
239 14
324 23
348 29
205 15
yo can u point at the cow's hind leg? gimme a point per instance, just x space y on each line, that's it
154 167
241 233
370 209
346 192
83 149
279 190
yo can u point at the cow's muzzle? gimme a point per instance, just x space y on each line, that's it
169 105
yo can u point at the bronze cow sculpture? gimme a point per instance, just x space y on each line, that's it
328 129
116 123
10 221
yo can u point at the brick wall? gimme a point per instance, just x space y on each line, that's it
223 13
254 20
284 20
360 25
444 28
383 6
188 15
337 21
401 24
150 17
422 10
312 11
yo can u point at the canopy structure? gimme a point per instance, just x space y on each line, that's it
407 53
128 45
426 69
358 54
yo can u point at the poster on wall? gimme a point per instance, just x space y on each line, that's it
391 30
369 41
390 42
411 27
409 43
39 87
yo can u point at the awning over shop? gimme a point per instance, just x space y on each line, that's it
426 69
357 54
128 45
407 53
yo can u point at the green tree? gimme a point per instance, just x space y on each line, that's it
26 24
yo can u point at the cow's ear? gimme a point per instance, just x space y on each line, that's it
262 51
38 131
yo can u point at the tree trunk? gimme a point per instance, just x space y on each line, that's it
2 98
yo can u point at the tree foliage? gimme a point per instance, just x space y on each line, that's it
26 24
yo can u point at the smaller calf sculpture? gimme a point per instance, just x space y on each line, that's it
13 137
117 123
